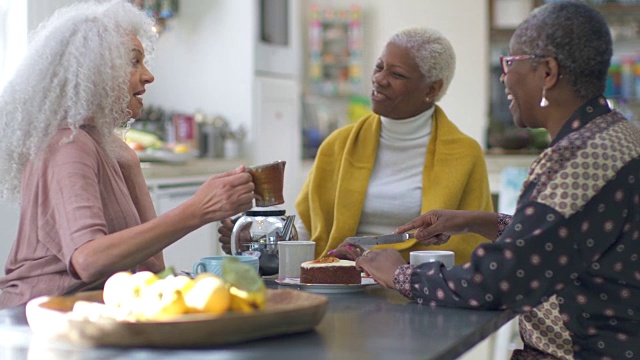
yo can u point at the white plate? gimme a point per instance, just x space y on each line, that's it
327 288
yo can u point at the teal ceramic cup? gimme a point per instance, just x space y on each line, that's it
213 264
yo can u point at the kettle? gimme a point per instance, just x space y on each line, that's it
258 231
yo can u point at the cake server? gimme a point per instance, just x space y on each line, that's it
380 239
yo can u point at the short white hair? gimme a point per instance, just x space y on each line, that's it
433 53
76 69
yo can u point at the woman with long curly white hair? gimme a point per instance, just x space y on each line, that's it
86 212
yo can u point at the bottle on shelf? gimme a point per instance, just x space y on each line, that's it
637 78
627 79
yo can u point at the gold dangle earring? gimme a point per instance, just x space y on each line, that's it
544 102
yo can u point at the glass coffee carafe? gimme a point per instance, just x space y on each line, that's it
258 232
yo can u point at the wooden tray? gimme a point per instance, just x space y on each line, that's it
286 312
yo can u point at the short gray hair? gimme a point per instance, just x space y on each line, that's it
577 36
433 53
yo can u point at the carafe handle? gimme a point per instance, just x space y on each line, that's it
238 228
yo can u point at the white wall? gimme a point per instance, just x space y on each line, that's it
39 10
13 37
204 61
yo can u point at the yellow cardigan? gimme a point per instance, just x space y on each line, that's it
331 200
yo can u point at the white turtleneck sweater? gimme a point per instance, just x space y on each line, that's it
394 195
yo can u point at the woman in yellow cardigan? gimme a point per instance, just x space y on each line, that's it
402 161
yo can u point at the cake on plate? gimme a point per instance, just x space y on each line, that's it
329 270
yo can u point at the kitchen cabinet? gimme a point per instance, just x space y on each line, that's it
170 185
195 245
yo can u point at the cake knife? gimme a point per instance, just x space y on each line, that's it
380 239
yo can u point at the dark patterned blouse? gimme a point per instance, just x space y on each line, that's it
567 260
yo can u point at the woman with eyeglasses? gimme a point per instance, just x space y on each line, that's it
568 259
402 160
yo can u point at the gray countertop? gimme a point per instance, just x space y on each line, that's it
376 323
196 167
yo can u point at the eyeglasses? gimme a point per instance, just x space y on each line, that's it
507 61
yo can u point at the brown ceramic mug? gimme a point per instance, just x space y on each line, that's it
268 180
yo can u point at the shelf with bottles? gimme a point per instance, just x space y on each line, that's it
335 51
623 17
623 84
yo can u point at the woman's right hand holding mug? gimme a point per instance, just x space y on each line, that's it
224 195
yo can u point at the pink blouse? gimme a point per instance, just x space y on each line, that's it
71 194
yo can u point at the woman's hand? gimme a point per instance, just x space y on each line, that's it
226 229
223 196
381 265
437 226
347 251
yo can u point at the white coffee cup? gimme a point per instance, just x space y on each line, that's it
293 253
424 256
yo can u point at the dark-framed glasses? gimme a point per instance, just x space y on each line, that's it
507 61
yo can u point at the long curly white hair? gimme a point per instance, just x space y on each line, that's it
75 72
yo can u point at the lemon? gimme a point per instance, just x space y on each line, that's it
247 289
181 283
139 281
209 294
163 300
243 301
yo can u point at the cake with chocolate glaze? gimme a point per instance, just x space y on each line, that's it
329 270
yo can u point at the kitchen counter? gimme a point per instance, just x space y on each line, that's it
376 323
196 167
197 170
